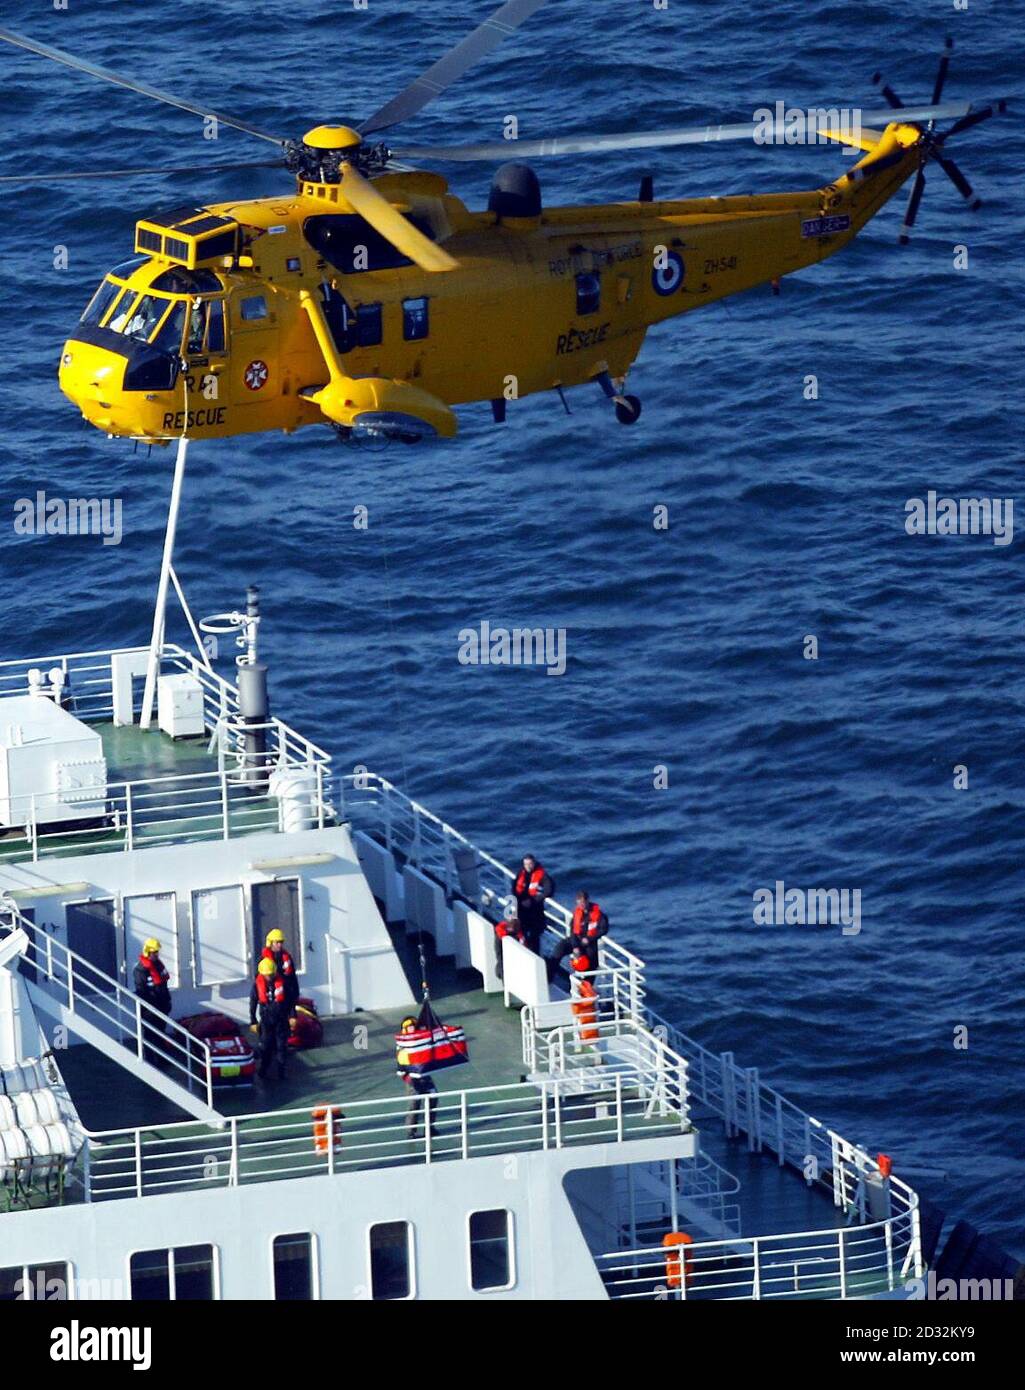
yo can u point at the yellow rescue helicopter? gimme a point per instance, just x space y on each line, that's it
373 300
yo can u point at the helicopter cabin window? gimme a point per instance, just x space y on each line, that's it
589 292
252 308
100 302
169 339
352 246
416 322
369 329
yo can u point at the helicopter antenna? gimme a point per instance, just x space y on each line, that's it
57 55
447 70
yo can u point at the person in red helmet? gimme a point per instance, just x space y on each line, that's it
532 888
588 926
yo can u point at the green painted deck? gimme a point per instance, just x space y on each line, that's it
356 1061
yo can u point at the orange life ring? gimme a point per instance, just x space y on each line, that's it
676 1259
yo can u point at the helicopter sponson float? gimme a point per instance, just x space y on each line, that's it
371 299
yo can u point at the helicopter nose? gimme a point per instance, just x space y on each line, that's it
113 382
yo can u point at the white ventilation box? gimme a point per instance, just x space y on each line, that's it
180 705
52 766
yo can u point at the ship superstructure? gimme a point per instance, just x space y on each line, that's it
572 1158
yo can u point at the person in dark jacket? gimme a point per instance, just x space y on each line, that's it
532 887
588 926
150 981
269 1012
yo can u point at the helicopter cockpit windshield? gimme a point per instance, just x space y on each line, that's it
180 311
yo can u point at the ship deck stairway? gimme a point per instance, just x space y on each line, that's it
78 996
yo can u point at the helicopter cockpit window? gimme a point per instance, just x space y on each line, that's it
215 327
100 302
169 339
145 317
121 311
179 281
351 245
197 327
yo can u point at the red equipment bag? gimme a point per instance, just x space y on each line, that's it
430 1046
232 1061
306 1029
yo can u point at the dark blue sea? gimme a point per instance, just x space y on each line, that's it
685 646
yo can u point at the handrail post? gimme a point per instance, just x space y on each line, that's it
544 1115
226 825
428 1115
889 1254
140 1049
129 831
557 1092
619 1107
34 829
464 1129
233 1175
916 1238
756 1284
330 1140
320 796
138 1163
843 1266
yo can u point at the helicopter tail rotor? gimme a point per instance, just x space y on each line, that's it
932 144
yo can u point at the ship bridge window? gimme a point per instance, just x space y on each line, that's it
351 245
293 1268
490 1250
391 1262
185 1274
21 1283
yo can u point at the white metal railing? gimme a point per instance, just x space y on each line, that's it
336 1138
421 838
93 996
855 1262
657 1195
234 799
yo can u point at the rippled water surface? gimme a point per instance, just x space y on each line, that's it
685 647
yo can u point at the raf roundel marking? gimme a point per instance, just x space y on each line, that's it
667 279
256 375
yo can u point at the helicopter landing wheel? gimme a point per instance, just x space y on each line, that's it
628 410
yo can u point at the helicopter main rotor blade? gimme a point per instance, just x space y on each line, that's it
441 75
57 55
641 140
364 198
141 173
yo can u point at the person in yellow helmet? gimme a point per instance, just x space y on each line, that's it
268 1014
150 980
274 950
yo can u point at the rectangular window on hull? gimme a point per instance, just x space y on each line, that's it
490 1265
390 1273
21 1283
183 1274
293 1268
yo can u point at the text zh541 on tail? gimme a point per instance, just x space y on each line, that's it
371 299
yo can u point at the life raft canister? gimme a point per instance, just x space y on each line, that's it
676 1258
321 1124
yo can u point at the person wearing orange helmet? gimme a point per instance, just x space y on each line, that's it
150 981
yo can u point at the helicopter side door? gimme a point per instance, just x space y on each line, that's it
255 360
205 351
